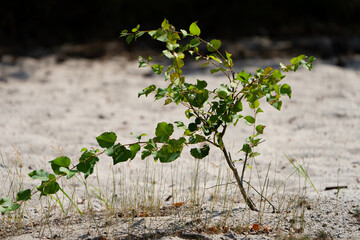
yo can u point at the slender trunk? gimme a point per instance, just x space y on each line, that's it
248 200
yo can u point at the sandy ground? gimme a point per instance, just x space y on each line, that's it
50 109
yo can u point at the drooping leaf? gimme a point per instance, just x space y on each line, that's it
106 139
87 163
200 153
285 89
121 154
194 29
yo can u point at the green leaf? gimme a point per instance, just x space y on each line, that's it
259 110
6 205
285 89
59 162
129 39
184 33
160 93
254 104
145 154
168 101
168 54
87 163
69 173
157 68
200 153
136 28
193 127
165 24
194 42
249 120
260 128
163 131
238 107
106 139
214 70
194 29
39 174
214 45
146 91
171 151
201 84
23 195
198 98
135 148
121 154
50 187
180 125
246 148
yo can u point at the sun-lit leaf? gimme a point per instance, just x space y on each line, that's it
194 29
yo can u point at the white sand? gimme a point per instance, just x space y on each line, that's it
50 109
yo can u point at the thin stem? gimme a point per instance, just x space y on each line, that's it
248 200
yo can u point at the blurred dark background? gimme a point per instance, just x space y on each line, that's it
39 27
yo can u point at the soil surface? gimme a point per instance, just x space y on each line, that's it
51 108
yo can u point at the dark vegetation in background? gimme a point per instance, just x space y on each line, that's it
25 25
